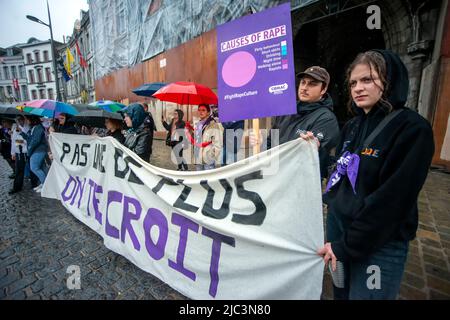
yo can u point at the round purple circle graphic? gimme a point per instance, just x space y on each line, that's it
238 69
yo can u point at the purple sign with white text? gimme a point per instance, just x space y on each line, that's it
255 68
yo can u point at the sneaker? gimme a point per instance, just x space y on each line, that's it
38 187
12 191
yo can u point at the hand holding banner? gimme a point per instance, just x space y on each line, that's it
219 234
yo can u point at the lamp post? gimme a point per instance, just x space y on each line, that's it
32 18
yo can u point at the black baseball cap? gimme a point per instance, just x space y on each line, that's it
316 72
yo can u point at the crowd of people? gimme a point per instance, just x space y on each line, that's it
212 143
24 140
383 155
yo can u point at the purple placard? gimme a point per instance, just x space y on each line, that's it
255 68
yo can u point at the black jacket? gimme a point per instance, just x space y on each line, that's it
168 126
390 175
317 117
5 142
117 134
36 140
140 141
68 128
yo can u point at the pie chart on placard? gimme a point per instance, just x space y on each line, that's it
239 69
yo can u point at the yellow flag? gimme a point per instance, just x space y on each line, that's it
69 61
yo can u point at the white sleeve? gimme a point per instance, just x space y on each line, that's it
13 142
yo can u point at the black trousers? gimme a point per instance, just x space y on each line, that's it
21 159
21 162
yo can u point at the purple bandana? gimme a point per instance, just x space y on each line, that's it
348 165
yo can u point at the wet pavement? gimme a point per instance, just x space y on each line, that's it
40 239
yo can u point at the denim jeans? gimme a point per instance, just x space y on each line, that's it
37 165
360 274
181 162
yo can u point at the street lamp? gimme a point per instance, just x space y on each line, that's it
34 19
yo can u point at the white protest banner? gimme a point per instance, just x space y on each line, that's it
229 233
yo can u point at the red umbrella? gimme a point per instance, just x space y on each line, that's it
186 93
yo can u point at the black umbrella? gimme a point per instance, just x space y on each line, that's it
95 118
148 89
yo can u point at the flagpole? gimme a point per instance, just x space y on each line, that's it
83 66
58 93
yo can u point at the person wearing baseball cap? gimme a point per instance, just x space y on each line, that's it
318 74
314 114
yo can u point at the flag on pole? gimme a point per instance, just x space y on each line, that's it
69 60
83 63
63 70
65 74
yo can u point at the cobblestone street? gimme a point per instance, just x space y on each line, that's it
39 239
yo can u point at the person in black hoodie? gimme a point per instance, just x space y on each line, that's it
66 124
175 137
314 114
385 153
139 137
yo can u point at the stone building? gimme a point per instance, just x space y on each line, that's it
38 61
80 89
325 32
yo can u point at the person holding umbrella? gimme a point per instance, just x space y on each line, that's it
175 137
37 148
208 132
207 141
19 155
66 124
139 137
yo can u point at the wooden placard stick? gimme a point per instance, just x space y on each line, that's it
257 146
